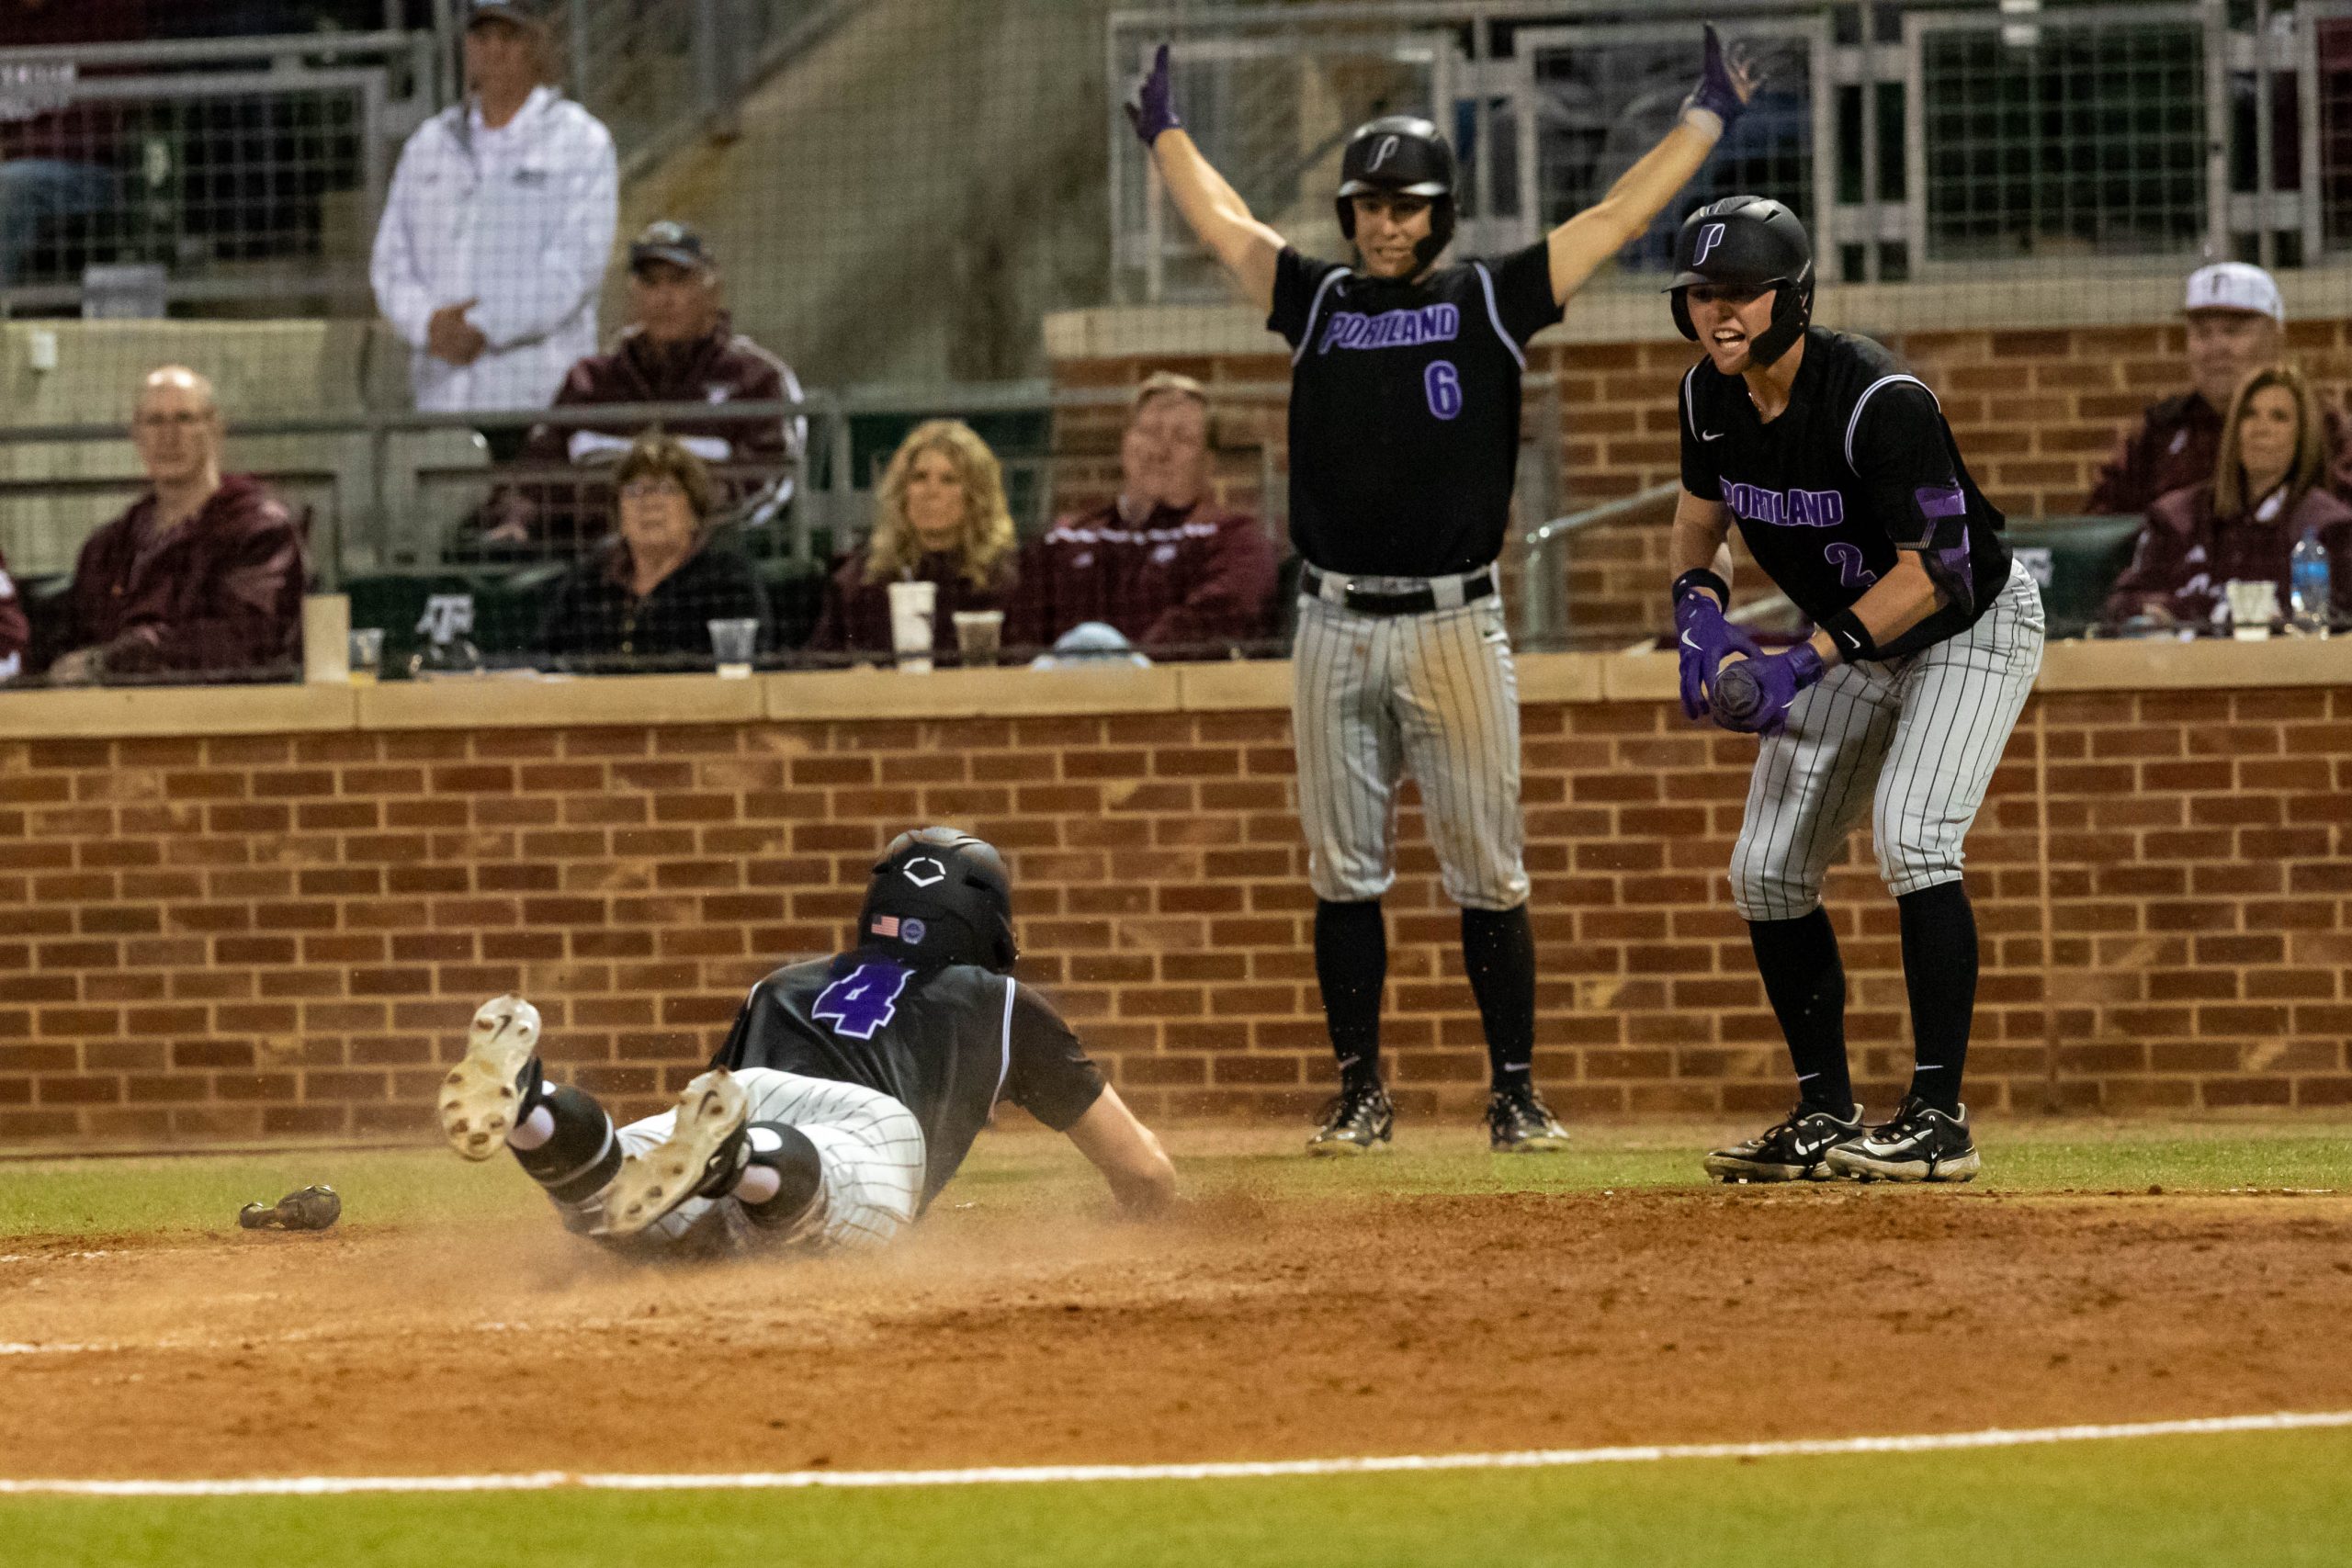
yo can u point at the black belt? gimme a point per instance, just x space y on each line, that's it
1318 584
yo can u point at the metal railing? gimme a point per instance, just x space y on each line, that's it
393 489
1969 138
241 169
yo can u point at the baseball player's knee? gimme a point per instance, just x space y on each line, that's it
1337 881
785 1155
1908 862
1764 890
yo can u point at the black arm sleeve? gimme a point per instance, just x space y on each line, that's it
1523 296
1049 1074
1296 279
1698 475
1903 452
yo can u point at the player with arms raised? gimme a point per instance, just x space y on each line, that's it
1403 443
1850 491
845 1098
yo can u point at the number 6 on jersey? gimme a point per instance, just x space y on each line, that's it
1442 384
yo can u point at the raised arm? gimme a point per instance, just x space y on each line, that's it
1216 211
1582 244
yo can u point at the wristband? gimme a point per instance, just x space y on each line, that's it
1853 638
1699 577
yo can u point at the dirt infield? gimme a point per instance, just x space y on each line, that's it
1250 1328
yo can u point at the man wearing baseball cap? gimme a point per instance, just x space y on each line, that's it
679 347
2236 323
498 229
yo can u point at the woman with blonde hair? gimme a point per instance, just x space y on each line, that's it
2243 525
939 517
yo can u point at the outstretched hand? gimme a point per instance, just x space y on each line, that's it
1727 80
1151 104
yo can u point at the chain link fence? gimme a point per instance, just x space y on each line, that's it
927 214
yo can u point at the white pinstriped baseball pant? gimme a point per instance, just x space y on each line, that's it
1915 739
869 1147
1434 695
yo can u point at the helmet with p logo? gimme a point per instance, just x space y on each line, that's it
1750 242
1400 154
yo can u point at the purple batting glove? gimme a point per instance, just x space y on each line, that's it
1716 92
1151 107
1704 640
1753 697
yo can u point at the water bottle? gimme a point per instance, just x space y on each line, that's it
2309 592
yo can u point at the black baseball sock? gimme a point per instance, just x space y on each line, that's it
1939 971
1798 960
583 1155
1498 949
1351 965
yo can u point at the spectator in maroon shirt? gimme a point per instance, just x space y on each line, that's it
203 575
1172 572
940 517
2235 320
679 347
2243 521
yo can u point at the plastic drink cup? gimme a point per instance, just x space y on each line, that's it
732 643
367 655
912 607
978 635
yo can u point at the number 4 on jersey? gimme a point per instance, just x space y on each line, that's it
860 1002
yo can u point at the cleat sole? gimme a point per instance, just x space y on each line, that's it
479 1100
652 1184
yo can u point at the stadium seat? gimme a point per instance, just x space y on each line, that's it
2077 560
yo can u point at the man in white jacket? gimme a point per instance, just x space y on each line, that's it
498 229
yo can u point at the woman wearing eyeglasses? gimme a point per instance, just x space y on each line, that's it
648 597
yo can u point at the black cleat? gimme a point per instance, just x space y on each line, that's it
1794 1149
1519 1122
1358 1120
1922 1144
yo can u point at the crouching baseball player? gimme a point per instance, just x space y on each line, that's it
847 1096
1850 491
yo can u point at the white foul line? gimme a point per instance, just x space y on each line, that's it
1250 1469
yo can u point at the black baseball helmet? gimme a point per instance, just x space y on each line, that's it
1751 239
1403 155
940 897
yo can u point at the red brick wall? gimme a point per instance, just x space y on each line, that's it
245 937
2035 413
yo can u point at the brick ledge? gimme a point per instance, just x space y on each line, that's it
808 695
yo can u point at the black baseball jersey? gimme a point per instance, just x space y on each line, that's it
946 1044
1404 409
1861 464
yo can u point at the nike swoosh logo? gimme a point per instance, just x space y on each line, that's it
1711 436
1687 643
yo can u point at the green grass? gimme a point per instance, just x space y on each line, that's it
2228 1502
183 1195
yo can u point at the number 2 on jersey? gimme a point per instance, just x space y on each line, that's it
1443 385
860 1002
